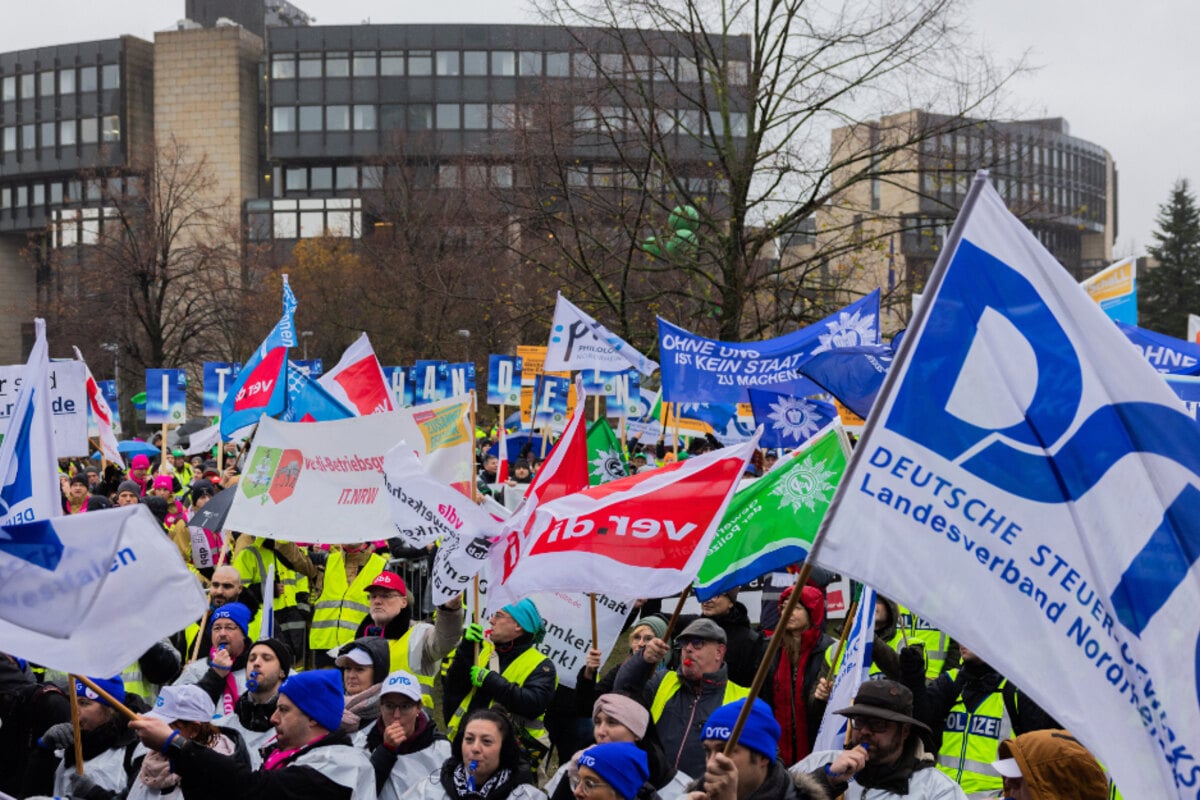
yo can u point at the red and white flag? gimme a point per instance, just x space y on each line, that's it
648 532
102 413
357 380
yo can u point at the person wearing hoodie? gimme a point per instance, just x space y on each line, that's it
745 646
509 672
414 647
974 708
364 666
754 770
681 699
406 746
794 677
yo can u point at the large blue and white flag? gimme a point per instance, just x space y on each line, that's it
29 488
1031 486
1164 353
700 370
579 342
787 421
261 385
853 375
855 668
90 593
309 401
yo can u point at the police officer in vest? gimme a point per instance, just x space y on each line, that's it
509 672
253 558
681 700
341 599
414 647
974 708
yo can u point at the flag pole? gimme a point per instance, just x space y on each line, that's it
764 666
162 465
474 464
475 611
108 698
75 726
841 645
683 596
595 632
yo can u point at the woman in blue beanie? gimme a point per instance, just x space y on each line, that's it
612 771
485 764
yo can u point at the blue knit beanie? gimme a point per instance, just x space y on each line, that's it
114 686
622 765
760 734
319 695
526 615
234 611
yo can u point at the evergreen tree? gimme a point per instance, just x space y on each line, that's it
1168 293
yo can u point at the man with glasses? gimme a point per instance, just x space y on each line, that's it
681 700
886 756
225 664
405 745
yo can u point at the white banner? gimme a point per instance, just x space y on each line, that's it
68 404
579 342
1031 486
856 664
108 587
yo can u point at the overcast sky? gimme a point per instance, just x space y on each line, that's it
1121 73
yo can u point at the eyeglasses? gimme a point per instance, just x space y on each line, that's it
693 642
398 708
589 785
871 724
225 628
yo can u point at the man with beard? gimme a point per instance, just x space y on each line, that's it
887 757
267 665
226 662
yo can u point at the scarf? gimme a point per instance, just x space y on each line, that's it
791 710
277 756
497 785
229 694
361 708
156 772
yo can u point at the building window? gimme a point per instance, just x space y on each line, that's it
558 65
503 116
49 131
337 65
283 67
347 178
89 131
611 64
310 118
310 65
66 81
38 197
87 79
391 62
420 62
27 86
738 123
372 177
321 179
285 226
447 62
585 118
56 193
502 175
584 66
420 117
337 118
283 119
28 137
475 116
364 65
530 63
8 88
46 83
448 116
10 140
295 179
110 76
391 116
504 63
364 118
448 176
475 62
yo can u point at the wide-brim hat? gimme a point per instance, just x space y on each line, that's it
887 700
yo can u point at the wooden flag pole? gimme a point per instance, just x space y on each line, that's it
595 627
471 485
475 611
841 645
75 725
764 666
595 407
162 465
683 596
112 701
675 425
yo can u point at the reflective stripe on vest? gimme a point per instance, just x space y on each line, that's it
970 740
336 618
399 650
936 642
671 684
521 668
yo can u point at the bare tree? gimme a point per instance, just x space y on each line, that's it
730 106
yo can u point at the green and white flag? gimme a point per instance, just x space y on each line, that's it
771 522
604 454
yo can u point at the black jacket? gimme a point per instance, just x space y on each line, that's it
27 709
208 775
529 699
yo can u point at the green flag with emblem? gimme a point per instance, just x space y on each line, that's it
604 454
771 523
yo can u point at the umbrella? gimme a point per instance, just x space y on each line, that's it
178 437
132 447
212 516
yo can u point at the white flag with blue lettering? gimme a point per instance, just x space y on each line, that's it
1028 483
29 488
579 342
856 665
89 593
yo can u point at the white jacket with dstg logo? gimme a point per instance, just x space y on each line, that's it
925 784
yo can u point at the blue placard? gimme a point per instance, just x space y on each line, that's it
166 396
312 367
218 377
504 380
399 381
622 394
550 396
429 381
460 378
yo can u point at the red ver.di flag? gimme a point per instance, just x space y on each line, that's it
645 532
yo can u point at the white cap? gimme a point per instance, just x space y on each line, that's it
1007 767
188 703
355 656
403 683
